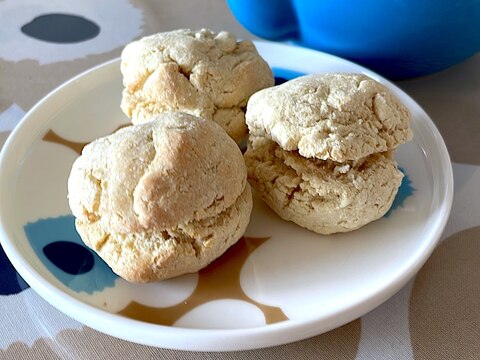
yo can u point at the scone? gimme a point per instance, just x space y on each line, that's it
161 199
322 195
321 150
337 117
202 73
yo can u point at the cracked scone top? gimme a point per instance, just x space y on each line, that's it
161 199
202 73
337 117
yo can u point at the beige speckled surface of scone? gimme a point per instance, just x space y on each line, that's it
161 199
322 195
207 74
337 117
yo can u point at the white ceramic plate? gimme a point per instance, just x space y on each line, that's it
292 286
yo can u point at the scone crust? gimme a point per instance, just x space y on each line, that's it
157 255
140 194
337 117
322 196
207 74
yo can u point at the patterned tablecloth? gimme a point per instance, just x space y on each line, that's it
435 316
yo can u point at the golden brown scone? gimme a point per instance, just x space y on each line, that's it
161 199
322 195
202 73
337 117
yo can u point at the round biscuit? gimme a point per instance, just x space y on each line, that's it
207 74
160 199
321 195
337 117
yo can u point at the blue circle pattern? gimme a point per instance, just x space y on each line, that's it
61 28
81 263
70 261
404 191
283 75
11 283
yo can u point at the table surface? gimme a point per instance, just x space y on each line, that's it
435 316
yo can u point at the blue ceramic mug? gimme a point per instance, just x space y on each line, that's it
397 38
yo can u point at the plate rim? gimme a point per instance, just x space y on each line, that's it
224 339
